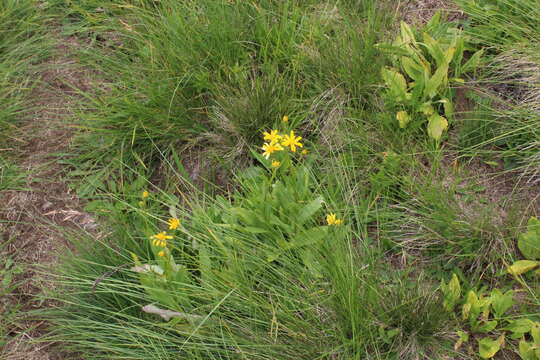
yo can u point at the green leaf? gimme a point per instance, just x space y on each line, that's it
522 266
501 302
407 35
452 293
309 237
310 262
436 125
438 80
427 109
309 210
473 62
535 332
463 338
519 327
435 50
470 301
488 347
529 241
526 350
403 118
449 54
448 108
413 69
396 83
486 327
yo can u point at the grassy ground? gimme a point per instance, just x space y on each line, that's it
387 233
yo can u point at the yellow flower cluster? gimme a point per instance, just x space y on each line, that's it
160 239
277 142
331 219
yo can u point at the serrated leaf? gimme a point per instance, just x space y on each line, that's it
436 126
522 266
488 347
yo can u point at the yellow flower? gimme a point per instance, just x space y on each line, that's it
332 220
161 253
270 148
173 223
285 118
160 243
160 239
275 164
305 152
272 136
145 194
292 141
162 236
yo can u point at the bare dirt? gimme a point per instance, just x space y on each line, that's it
420 11
36 217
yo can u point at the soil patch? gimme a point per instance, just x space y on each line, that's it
35 218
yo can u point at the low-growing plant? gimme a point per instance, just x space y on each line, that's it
485 315
418 84
529 246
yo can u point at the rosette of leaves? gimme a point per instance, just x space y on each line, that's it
418 83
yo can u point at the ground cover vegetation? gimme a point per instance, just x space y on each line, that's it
23 45
302 180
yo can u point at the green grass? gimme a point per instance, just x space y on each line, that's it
22 45
319 300
508 104
255 271
209 76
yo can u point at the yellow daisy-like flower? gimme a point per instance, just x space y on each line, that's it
160 239
275 164
305 152
285 118
331 219
145 194
271 148
161 253
160 243
292 141
173 223
272 137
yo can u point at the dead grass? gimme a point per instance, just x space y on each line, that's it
419 12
